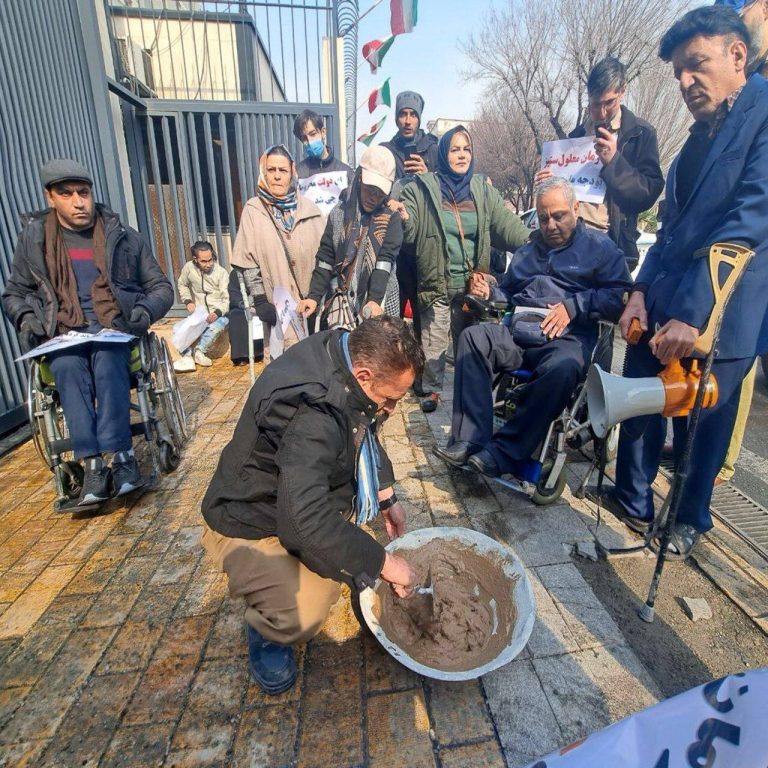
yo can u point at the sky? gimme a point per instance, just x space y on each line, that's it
428 60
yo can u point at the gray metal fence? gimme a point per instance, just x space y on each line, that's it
52 104
198 165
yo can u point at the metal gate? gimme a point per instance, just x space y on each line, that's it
54 103
197 167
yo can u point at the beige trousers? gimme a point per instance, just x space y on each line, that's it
285 601
737 437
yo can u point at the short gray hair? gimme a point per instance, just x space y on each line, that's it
555 182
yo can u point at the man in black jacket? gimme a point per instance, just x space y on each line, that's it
629 152
322 176
76 267
303 471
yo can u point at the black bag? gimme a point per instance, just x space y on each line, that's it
525 328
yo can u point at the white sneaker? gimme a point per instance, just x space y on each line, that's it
202 359
184 364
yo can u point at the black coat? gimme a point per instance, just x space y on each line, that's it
633 179
134 275
425 146
289 470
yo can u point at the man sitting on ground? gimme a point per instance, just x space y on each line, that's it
574 274
204 283
76 267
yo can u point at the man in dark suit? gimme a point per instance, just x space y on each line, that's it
717 191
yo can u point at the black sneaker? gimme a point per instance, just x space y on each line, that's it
126 474
97 483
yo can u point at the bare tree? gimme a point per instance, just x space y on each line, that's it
655 96
540 54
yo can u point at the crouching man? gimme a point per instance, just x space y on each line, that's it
303 471
575 275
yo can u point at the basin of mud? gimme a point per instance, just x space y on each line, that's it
480 615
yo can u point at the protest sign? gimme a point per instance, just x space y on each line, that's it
74 339
576 161
323 189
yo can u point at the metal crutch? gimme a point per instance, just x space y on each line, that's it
247 307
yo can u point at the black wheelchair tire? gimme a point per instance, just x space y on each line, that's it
73 486
169 458
542 496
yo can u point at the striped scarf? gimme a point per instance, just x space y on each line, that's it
367 474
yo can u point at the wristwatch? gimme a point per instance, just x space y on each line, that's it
387 503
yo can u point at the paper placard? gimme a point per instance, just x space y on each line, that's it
74 339
323 189
285 306
576 161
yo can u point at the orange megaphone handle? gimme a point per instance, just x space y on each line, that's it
680 387
635 331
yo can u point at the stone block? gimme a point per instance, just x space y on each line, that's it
486 754
382 672
228 635
112 606
551 635
589 690
398 730
590 624
138 745
459 712
696 608
267 737
184 637
543 536
131 648
524 720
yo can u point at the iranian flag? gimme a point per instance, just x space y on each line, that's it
367 138
380 96
405 14
375 51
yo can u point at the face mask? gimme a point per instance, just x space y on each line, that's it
315 149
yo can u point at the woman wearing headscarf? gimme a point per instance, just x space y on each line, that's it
276 243
355 267
453 219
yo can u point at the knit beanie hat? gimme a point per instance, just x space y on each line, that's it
409 100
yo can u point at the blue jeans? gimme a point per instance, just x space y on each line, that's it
95 391
209 335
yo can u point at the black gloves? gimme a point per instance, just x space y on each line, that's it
137 324
265 311
31 332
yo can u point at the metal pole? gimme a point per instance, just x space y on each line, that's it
343 32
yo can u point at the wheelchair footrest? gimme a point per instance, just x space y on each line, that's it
528 470
70 505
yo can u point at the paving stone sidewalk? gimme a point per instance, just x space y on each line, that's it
119 645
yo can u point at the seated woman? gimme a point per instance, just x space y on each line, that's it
355 267
453 218
276 244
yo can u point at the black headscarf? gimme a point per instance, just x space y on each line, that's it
454 186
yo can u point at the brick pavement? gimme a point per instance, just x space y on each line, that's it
119 645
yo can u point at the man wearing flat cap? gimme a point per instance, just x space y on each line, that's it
77 268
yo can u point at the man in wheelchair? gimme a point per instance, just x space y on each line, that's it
569 276
76 267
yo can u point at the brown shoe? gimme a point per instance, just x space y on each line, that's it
429 403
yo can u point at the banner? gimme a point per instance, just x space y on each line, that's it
722 724
576 161
323 189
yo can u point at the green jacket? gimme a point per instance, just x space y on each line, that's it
497 226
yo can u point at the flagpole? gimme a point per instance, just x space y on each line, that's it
360 18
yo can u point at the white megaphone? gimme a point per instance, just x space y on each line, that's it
613 399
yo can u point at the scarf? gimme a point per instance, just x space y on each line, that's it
282 208
453 186
62 277
367 473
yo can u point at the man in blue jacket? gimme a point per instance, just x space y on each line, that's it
572 273
717 191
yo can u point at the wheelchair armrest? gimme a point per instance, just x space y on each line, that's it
483 309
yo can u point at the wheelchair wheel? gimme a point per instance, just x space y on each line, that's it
169 458
72 474
35 413
167 391
543 496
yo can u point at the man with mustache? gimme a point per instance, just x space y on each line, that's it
717 191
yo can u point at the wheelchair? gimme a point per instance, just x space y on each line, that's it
542 476
161 420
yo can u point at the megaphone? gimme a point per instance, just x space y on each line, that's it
613 399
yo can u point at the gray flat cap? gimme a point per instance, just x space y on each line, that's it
55 171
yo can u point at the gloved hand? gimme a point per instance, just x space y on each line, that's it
265 311
31 332
139 321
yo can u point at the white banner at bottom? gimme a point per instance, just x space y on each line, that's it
723 724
